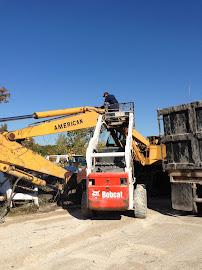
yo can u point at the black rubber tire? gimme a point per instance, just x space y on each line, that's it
140 201
87 213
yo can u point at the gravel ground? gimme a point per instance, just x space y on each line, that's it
61 239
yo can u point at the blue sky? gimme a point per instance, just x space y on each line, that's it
58 54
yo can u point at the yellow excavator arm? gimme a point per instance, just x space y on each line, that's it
15 159
64 124
151 153
83 117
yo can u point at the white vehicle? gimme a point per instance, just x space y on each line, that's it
59 159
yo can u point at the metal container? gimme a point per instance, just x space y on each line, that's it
182 135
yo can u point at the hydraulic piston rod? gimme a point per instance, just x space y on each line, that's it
53 113
13 118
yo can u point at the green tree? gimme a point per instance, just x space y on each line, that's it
78 141
40 149
62 144
47 150
73 142
4 95
30 144
3 127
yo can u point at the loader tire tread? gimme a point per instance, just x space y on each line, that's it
140 201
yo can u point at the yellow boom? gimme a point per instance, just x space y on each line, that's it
76 122
15 158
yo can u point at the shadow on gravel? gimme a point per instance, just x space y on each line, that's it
75 211
163 206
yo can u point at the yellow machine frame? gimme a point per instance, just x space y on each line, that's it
15 159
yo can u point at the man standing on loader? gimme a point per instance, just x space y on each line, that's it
109 98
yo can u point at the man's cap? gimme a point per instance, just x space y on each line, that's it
105 93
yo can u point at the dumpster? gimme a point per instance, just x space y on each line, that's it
181 131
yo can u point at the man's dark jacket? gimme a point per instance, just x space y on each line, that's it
111 99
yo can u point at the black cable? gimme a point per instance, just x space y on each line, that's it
7 205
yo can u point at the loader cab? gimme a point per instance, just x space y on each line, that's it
110 163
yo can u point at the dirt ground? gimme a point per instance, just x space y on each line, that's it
61 239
